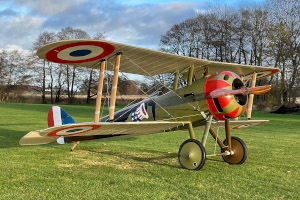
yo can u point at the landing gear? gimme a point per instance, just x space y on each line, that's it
191 155
239 150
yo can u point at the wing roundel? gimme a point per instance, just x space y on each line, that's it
79 52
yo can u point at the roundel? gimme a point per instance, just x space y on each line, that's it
73 130
80 52
261 74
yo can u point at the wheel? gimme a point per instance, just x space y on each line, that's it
240 150
191 155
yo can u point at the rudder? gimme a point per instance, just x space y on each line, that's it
57 117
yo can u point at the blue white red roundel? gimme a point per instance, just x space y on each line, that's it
80 52
73 130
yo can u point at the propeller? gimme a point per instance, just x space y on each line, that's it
259 90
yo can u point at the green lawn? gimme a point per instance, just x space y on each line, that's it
144 167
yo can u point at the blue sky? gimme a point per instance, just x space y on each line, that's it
135 22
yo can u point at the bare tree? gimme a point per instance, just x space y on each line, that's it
12 73
45 38
284 38
66 34
264 35
90 84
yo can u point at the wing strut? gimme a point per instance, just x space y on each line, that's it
195 108
191 75
250 104
207 128
99 92
237 118
99 97
114 88
175 86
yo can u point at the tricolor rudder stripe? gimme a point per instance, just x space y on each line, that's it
57 117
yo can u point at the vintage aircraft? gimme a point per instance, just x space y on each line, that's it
215 96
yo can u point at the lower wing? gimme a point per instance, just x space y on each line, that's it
240 123
90 131
98 130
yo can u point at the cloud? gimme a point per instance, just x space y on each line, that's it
8 13
19 30
135 24
50 7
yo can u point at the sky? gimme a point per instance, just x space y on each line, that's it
134 22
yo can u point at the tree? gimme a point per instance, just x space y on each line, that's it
90 84
66 34
45 38
284 46
264 35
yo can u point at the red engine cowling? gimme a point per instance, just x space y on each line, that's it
229 106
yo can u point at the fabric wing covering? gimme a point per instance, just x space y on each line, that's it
152 62
86 129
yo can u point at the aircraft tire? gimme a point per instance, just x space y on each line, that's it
192 155
240 152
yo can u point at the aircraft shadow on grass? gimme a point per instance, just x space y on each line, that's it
157 160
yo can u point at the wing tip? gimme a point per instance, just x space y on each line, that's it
34 138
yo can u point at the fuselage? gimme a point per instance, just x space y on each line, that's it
184 104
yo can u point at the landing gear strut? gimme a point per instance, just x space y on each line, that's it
192 154
239 150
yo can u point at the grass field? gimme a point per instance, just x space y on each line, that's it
144 167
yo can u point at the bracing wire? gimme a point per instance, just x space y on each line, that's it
216 140
149 97
160 82
145 93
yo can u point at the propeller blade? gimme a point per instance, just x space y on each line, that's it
260 90
223 92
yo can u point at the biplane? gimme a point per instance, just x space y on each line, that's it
215 96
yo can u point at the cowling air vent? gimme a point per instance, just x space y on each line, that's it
229 106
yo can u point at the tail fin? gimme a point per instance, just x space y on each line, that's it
57 117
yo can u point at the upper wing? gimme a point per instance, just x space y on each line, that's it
87 129
88 53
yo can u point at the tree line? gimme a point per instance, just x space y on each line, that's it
264 35
19 68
